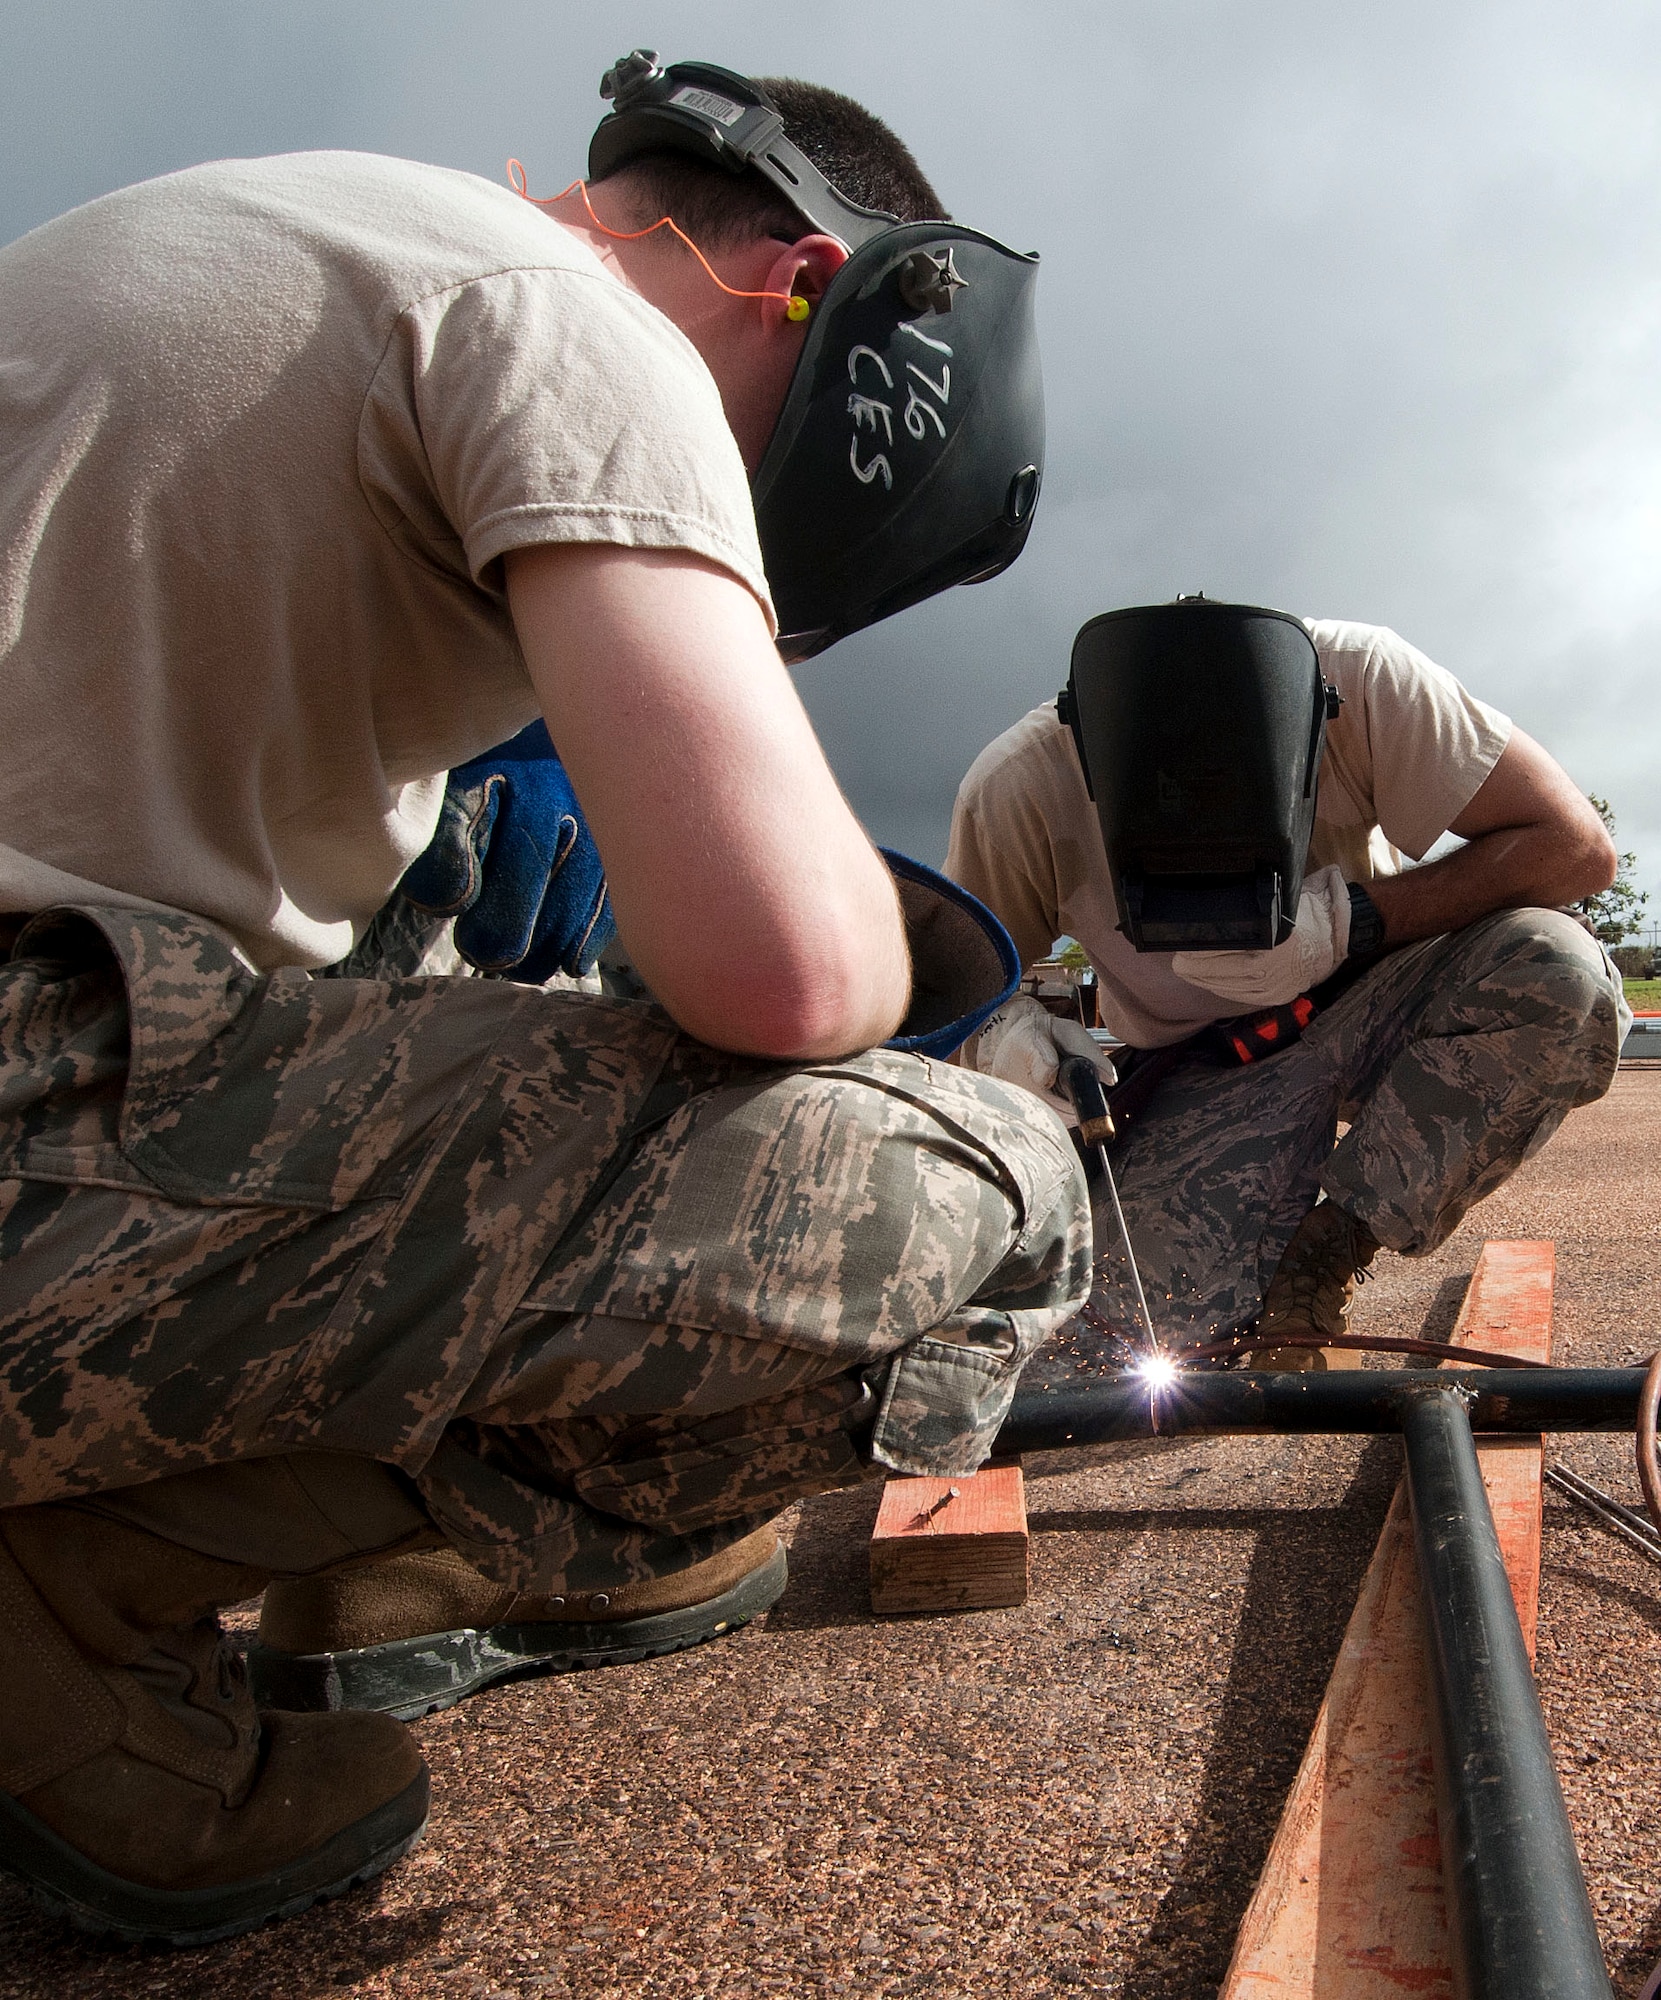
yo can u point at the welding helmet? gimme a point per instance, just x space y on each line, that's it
1200 728
910 447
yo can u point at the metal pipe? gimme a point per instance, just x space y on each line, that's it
1632 1527
1519 1920
1340 1401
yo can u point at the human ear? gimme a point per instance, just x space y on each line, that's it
805 268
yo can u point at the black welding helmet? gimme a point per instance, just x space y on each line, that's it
910 448
1200 727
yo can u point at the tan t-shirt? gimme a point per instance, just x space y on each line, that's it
1407 753
266 428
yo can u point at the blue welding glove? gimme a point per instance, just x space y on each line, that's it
964 965
514 863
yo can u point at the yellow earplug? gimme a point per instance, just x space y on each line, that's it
798 308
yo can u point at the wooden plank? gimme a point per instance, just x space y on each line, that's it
951 1544
1349 1905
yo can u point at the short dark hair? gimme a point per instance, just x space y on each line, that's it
854 150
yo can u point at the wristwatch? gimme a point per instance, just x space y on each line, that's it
1366 924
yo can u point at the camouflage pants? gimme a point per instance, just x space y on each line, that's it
1452 1060
608 1297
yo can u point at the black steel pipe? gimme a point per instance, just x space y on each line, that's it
1347 1400
1519 1919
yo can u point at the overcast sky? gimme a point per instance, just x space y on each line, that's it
1351 310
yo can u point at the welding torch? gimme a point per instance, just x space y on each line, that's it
1082 1081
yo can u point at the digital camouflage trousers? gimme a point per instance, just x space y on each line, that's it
609 1298
1452 1060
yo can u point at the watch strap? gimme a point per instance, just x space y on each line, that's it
1366 924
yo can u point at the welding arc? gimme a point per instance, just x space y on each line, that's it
1649 1473
1369 1343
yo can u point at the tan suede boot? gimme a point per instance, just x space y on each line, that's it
1313 1285
140 1794
420 1631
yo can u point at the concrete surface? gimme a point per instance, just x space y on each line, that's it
1070 1798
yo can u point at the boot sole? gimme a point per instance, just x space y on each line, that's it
409 1678
124 1913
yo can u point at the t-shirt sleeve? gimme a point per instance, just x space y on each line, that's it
551 405
1000 847
1425 743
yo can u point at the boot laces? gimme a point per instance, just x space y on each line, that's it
1327 1258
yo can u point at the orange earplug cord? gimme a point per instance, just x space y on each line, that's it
795 306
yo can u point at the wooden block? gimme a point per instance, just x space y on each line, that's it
968 1554
1513 1470
1508 1304
1350 1905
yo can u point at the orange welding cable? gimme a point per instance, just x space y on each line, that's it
1366 1343
795 306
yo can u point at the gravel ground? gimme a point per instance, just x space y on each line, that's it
1070 1798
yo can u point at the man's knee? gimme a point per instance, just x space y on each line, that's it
992 1134
902 1226
850 1206
983 1181
1551 937
1540 971
923 1111
1549 958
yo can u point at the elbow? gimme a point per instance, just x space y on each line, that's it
835 986
805 977
793 1008
1565 856
1598 863
835 1007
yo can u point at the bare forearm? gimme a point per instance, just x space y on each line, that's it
1532 838
1511 869
747 894
750 900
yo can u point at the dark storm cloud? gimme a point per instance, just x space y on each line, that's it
1354 311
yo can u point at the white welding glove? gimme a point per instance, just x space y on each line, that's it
1026 1044
1314 951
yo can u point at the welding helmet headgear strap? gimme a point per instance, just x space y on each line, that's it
727 121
